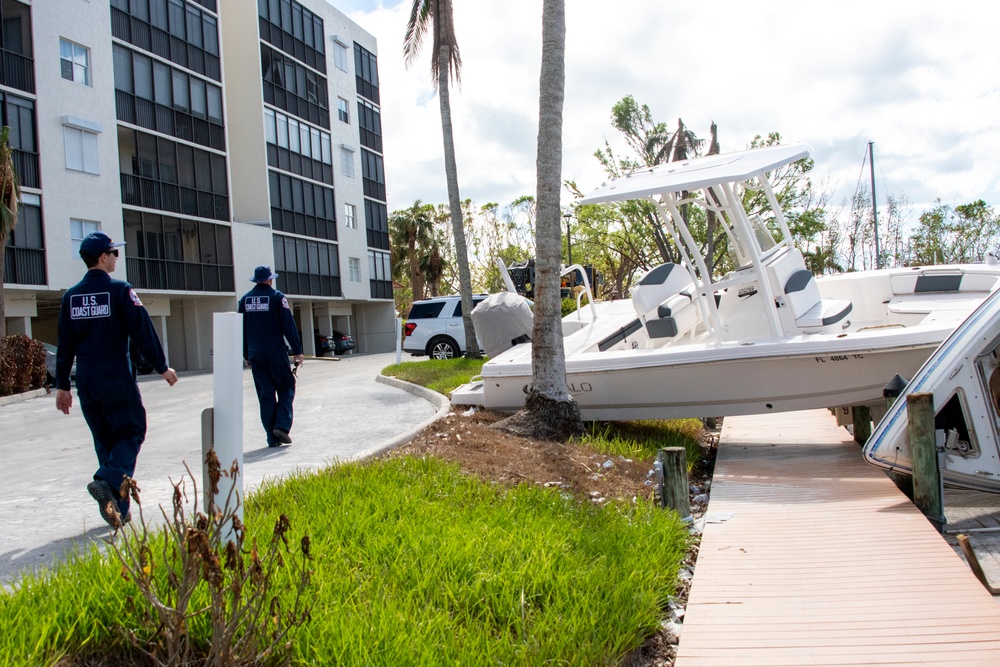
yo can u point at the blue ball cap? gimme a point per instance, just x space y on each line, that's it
97 243
262 274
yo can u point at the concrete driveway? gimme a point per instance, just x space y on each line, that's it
341 414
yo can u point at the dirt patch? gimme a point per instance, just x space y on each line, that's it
587 474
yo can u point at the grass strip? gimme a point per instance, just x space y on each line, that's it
415 564
441 375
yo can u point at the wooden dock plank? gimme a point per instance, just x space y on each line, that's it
811 557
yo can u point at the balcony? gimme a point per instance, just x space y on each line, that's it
150 193
17 71
166 274
24 266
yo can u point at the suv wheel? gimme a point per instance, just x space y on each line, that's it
442 348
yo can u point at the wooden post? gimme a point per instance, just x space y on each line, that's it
675 480
862 416
923 450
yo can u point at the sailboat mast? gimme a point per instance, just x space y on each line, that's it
871 166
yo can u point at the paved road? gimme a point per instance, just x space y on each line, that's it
341 414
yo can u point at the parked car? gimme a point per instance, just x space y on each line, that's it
434 327
50 364
338 343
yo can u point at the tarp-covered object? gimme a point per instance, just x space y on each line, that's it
500 319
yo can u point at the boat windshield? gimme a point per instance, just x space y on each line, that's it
762 235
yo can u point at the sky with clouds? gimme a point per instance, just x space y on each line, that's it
921 79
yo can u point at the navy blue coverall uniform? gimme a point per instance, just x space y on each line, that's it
267 324
97 317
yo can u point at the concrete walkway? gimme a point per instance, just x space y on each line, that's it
341 414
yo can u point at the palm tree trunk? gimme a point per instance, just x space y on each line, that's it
549 411
548 359
455 204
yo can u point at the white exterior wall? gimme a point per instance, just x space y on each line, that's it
67 193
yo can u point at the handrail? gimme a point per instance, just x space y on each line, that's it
586 288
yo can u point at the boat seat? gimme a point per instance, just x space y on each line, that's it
938 281
826 312
658 285
677 315
802 296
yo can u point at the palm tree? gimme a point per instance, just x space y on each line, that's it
10 194
410 232
549 411
445 63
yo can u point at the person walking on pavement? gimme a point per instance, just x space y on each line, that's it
97 318
267 324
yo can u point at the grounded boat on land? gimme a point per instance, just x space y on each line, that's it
767 337
963 375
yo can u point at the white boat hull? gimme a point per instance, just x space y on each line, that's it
712 381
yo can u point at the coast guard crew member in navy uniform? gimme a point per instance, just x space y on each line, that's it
267 324
97 317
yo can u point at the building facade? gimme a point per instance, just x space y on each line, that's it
210 135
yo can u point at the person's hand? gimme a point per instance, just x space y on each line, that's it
170 375
299 358
64 400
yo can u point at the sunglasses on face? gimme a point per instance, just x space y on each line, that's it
113 251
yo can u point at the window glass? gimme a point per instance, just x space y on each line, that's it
177 19
181 91
327 151
123 69
211 31
78 230
215 103
354 268
342 110
347 162
199 98
350 216
293 135
340 56
143 72
269 127
167 154
74 62
162 84
194 31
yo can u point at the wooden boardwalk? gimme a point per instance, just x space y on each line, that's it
812 557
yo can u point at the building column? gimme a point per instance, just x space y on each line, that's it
18 325
160 323
307 322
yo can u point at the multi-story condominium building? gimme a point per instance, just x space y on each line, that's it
210 135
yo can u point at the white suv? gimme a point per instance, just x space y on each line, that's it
434 327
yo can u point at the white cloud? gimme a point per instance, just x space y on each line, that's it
919 79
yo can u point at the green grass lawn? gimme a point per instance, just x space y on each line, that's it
414 564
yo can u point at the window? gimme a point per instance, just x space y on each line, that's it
350 216
75 62
354 269
342 111
347 161
78 230
80 137
340 55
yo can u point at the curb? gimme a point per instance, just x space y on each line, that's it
442 402
17 398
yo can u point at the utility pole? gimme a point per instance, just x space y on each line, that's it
569 242
871 166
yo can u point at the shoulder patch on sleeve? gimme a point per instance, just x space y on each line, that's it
284 303
135 297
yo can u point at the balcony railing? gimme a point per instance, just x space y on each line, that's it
309 284
26 166
17 71
150 193
24 266
175 275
